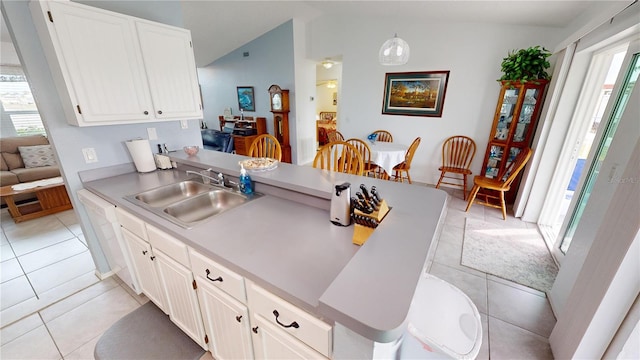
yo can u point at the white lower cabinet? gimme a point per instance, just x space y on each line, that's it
287 324
145 268
182 299
165 279
269 342
218 308
227 322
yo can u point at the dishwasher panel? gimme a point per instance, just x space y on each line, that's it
102 215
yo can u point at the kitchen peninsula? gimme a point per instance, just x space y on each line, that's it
284 243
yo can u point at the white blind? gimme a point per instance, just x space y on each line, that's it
18 106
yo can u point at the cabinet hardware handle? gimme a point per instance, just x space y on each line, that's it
146 113
144 252
293 324
153 258
219 278
238 318
160 112
255 329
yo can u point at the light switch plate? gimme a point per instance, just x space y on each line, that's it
152 134
90 155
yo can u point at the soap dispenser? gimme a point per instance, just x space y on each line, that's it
245 181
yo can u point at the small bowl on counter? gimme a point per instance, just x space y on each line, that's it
191 150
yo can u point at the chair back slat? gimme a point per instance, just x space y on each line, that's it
362 148
266 145
408 157
383 135
339 156
335 135
458 152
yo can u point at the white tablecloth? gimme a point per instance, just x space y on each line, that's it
387 154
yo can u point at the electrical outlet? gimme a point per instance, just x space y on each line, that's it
152 134
184 124
90 155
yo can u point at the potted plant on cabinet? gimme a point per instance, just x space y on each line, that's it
526 65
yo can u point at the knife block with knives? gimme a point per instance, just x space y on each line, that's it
369 210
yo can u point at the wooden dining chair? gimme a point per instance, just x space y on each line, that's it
404 167
457 155
370 168
266 145
334 135
500 184
383 135
339 156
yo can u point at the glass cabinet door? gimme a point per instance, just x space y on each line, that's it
495 161
507 111
526 113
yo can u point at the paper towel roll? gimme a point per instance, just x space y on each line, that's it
141 154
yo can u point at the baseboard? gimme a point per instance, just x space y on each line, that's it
103 276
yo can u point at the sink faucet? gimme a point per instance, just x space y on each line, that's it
218 180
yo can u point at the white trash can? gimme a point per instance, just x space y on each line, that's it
443 323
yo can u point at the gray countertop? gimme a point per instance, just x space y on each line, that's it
285 242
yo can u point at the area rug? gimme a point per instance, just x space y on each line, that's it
516 254
146 333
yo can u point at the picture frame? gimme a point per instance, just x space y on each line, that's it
246 99
415 93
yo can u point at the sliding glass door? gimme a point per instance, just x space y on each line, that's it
605 93
625 85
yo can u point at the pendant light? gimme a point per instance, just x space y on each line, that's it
394 51
327 64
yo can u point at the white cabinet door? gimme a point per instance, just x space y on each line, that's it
101 64
112 69
270 342
144 264
227 323
169 61
182 300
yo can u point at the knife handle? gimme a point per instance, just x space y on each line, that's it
363 200
365 192
376 194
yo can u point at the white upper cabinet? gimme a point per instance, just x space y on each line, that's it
168 57
111 68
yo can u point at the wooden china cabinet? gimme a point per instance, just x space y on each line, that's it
514 124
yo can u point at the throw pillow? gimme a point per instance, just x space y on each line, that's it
37 156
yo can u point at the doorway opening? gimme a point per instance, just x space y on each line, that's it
327 97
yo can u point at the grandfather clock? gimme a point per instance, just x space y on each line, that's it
279 100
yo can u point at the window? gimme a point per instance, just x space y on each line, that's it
20 115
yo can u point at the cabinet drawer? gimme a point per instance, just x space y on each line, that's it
169 245
307 328
131 223
218 275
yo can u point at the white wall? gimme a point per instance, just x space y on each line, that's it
471 52
68 140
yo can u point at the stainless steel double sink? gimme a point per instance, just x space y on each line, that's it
189 202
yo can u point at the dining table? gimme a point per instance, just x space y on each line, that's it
387 154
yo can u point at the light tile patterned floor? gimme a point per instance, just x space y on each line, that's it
73 309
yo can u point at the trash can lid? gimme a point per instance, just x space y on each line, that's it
442 316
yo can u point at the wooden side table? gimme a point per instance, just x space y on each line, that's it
50 200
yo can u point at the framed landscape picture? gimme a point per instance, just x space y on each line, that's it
246 100
415 93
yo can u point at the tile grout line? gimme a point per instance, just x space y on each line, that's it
50 335
22 269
